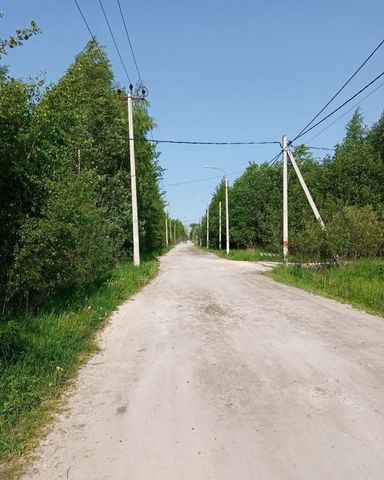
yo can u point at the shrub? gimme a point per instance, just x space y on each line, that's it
356 232
353 232
67 245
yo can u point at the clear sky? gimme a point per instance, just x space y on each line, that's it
217 71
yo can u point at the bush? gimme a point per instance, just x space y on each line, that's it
356 232
67 245
351 233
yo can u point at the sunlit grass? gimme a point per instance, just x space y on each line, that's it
360 283
248 255
39 354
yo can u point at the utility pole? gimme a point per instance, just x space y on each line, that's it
207 218
208 226
288 154
79 161
220 225
306 191
226 206
166 228
226 214
135 219
174 232
285 197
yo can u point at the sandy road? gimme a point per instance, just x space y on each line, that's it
217 372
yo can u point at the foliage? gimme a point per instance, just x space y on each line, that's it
69 243
248 255
176 231
18 38
347 188
39 354
65 191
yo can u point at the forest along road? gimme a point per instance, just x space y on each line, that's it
215 371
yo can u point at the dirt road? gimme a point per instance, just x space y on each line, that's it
215 371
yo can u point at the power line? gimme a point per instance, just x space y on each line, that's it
345 113
338 108
187 142
201 179
84 20
340 89
274 159
316 148
114 41
209 143
91 34
129 41
320 148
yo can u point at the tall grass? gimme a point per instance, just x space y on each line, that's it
247 255
39 354
360 283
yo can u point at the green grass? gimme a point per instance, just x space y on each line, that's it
360 284
40 354
247 255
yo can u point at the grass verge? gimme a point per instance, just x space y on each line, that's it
247 255
39 355
360 284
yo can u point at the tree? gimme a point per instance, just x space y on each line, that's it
18 38
66 180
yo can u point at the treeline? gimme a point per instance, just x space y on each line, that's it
348 188
65 204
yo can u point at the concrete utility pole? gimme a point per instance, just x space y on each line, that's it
306 191
207 215
226 215
135 218
288 154
220 225
226 206
166 228
285 197
79 161
208 226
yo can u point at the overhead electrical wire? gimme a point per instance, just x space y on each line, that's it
206 179
340 90
187 142
274 159
114 41
190 142
84 19
90 32
346 112
210 143
129 41
338 108
320 148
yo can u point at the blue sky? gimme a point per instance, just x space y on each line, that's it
217 71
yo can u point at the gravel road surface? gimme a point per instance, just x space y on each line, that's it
215 371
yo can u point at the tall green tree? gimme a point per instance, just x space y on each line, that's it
65 165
